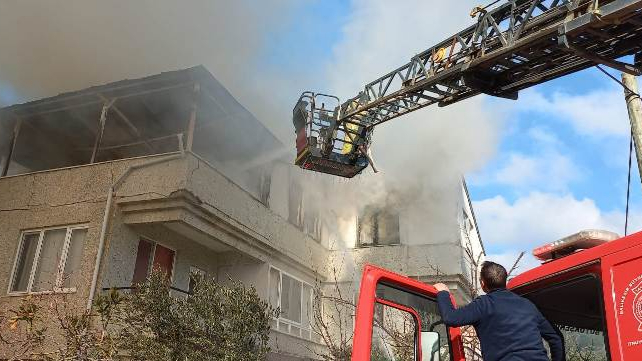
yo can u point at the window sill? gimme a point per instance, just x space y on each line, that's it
377 245
63 291
297 337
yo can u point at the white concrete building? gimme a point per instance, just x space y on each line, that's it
170 170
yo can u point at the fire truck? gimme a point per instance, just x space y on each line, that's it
589 285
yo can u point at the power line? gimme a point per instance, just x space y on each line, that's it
628 182
617 81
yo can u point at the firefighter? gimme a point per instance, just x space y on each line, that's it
509 327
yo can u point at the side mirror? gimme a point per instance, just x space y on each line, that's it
430 346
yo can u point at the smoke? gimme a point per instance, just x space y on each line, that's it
423 155
49 47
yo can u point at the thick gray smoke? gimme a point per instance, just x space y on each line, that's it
422 155
48 47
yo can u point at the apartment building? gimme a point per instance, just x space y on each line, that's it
99 185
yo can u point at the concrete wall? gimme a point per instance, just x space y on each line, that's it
231 233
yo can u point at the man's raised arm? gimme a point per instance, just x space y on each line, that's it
554 339
455 317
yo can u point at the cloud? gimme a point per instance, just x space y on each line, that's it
599 113
507 259
421 156
548 171
544 168
539 218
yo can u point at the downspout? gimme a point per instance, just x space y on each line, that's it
108 206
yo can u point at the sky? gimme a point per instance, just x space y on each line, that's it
540 168
560 159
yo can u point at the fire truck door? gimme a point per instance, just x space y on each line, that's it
398 319
622 284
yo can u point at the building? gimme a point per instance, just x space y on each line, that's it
170 170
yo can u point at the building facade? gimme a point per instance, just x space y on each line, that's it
99 186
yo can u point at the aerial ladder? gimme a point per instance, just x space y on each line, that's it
513 46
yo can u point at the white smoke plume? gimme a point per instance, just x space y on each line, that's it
49 47
422 155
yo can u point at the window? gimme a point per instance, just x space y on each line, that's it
48 260
378 227
294 300
467 225
195 275
295 205
312 222
149 256
581 323
394 330
265 182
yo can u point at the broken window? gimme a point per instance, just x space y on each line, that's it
48 260
378 227
152 256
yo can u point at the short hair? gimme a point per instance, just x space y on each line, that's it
494 275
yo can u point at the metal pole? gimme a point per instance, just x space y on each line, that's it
101 128
12 147
634 105
191 123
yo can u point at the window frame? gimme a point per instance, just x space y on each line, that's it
374 217
572 279
152 254
286 321
60 267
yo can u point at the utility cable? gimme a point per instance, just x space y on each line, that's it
628 183
617 81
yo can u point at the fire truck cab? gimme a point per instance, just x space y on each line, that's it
589 286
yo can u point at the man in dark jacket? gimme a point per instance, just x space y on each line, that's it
509 327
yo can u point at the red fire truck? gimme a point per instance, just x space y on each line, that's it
589 286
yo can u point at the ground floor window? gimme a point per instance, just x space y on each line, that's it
48 260
293 298
152 256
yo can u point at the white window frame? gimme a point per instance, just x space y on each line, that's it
61 263
284 321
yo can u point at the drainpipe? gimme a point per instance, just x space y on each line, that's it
108 206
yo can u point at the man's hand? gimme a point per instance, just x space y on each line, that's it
441 287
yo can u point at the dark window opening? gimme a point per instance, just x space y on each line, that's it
162 260
378 227
576 308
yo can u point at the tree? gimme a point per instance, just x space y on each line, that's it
217 322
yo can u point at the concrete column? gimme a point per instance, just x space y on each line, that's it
634 105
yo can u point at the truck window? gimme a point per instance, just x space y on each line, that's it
394 330
576 308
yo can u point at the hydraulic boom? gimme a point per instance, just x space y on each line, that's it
516 45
